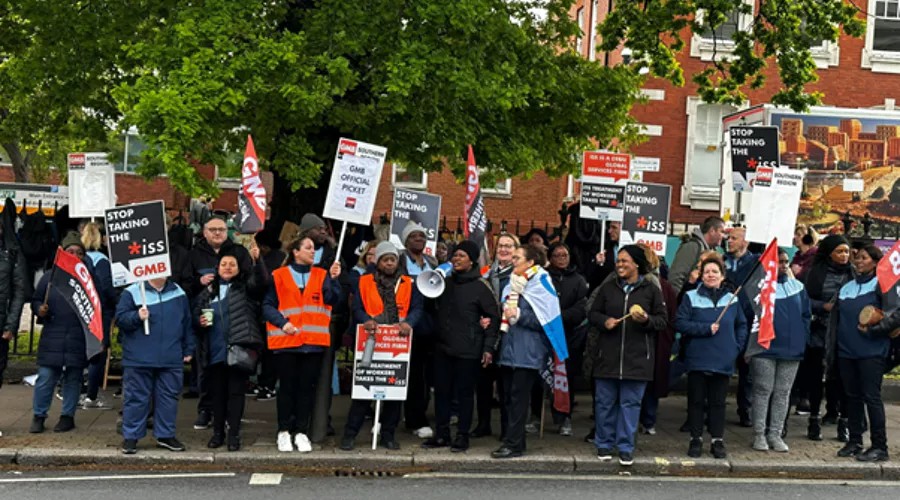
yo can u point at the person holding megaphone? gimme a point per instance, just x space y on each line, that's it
463 344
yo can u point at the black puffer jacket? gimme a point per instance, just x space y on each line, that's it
627 352
572 290
244 312
13 287
466 299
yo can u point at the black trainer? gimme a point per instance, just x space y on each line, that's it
66 423
203 420
814 429
170 444
604 454
850 450
460 444
37 425
695 449
129 446
843 430
435 442
347 443
626 458
216 441
873 455
717 448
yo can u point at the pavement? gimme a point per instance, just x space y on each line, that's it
95 443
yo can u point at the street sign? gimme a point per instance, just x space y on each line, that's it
644 164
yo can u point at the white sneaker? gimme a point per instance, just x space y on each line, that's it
302 443
650 431
94 404
531 428
424 433
566 428
284 442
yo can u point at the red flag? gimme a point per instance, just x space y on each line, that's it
252 200
475 219
560 386
888 270
73 280
769 263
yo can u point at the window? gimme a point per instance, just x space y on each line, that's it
580 39
703 155
406 177
502 187
718 43
882 50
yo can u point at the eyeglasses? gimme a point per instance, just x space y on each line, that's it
506 245
217 229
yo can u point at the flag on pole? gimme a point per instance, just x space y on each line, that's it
888 270
252 199
759 290
475 219
72 278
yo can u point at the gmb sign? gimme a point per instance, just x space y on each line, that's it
138 242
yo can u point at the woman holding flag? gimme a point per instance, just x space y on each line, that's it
774 366
535 330
861 356
627 314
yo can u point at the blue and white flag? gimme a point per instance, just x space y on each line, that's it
543 299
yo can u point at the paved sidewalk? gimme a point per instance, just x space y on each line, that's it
95 442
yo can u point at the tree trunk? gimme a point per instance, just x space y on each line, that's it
21 163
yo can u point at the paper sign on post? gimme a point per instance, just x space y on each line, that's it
92 184
354 181
603 178
416 206
386 377
138 242
773 211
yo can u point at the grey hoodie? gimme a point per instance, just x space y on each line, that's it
686 258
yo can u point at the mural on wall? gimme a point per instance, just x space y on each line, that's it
834 148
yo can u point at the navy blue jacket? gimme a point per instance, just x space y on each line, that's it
171 336
62 337
704 351
102 276
737 270
525 345
792 318
852 298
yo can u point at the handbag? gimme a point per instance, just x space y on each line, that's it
242 358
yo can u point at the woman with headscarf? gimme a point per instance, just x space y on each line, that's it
715 343
773 368
659 387
572 290
861 354
830 270
627 314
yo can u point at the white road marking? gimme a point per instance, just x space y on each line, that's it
661 479
259 479
120 477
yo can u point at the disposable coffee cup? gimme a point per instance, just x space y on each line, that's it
208 314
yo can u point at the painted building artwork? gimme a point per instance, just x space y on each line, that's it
835 148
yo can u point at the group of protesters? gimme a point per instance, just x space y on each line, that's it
628 323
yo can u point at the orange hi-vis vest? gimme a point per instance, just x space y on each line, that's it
306 310
371 299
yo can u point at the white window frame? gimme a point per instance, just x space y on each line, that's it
826 55
408 185
878 61
579 40
708 49
505 191
698 196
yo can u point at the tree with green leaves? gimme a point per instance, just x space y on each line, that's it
423 78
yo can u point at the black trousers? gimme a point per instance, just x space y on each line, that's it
744 388
707 390
454 379
835 396
268 375
810 374
390 418
226 387
485 394
862 384
420 374
4 358
297 377
517 388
